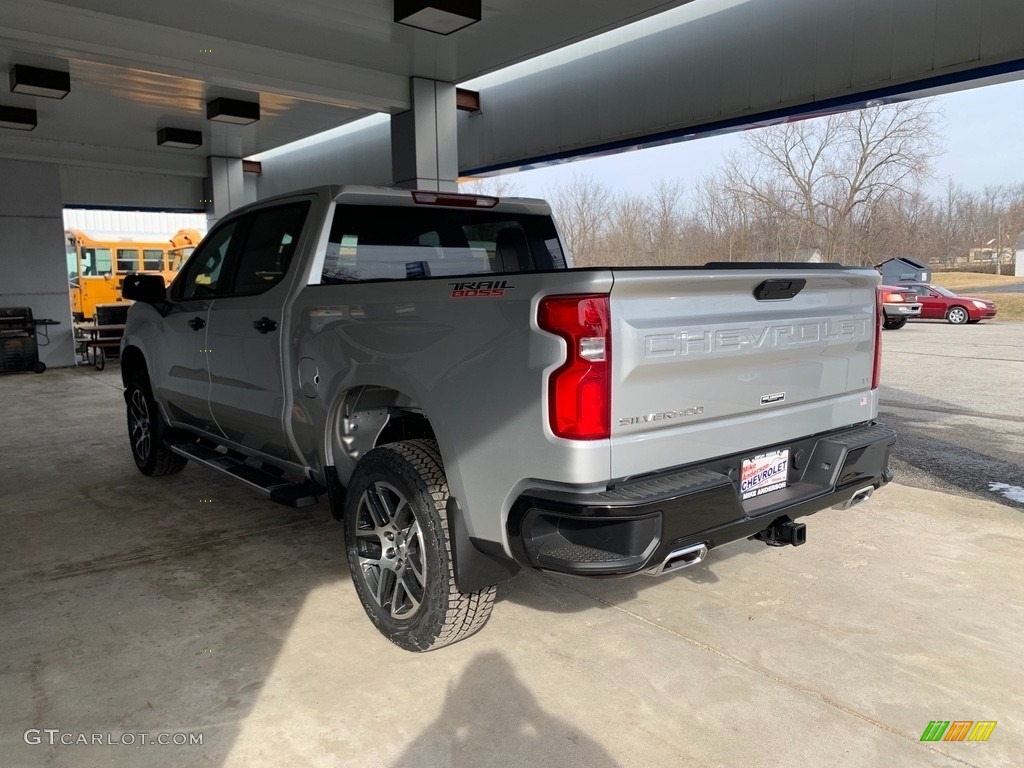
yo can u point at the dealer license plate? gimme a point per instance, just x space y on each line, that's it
764 473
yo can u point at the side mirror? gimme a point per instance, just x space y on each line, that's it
149 289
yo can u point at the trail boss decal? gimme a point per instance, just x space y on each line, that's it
480 288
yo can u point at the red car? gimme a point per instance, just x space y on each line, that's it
938 303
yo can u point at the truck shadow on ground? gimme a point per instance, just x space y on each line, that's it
945 447
492 719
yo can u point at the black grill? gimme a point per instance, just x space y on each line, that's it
19 350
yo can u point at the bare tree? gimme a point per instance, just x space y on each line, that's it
666 222
821 178
495 186
582 207
628 237
951 231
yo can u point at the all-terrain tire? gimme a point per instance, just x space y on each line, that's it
147 431
399 551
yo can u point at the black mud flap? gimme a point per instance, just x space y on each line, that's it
477 564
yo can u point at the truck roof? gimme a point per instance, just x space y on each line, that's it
397 196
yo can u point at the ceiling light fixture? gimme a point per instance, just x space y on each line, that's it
439 16
34 81
179 138
233 111
18 118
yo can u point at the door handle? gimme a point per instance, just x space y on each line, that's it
265 325
196 323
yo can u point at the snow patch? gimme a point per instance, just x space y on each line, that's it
1012 492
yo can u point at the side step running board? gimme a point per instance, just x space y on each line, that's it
277 488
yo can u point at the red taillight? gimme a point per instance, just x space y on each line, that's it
424 197
892 298
580 391
876 368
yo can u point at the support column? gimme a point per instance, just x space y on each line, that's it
424 139
225 188
33 264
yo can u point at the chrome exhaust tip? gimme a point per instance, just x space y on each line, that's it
859 496
680 558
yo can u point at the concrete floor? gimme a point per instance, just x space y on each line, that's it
953 393
190 605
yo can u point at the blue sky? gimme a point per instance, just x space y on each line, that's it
982 128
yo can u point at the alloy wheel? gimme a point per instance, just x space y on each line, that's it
141 434
390 546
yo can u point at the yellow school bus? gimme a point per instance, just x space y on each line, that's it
97 265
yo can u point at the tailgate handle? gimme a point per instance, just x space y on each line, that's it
779 290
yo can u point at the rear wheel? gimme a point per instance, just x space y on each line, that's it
957 315
894 324
399 553
147 431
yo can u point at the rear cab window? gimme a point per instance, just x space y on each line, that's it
370 242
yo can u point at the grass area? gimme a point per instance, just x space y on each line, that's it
957 281
1010 305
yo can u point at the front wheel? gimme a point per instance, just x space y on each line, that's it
957 315
399 553
895 324
146 431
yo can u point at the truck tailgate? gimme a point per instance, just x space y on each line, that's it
708 363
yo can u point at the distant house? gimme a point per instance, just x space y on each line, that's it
896 269
804 255
808 255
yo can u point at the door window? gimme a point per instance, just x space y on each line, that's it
264 259
202 274
96 261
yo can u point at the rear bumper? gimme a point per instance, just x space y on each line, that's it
895 310
634 525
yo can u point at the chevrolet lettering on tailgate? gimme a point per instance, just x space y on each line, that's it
763 337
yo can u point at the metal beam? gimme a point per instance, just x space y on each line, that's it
729 64
56 29
17 147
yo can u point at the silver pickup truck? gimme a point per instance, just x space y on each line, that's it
471 405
